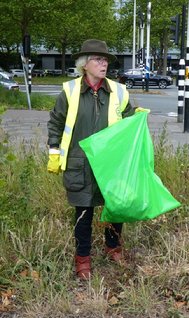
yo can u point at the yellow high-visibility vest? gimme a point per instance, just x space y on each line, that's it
118 100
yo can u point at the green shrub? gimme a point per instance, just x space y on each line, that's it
18 100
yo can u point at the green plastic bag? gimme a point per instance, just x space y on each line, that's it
122 159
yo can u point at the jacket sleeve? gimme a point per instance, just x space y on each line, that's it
57 121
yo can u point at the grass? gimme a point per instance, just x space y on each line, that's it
37 246
46 80
18 100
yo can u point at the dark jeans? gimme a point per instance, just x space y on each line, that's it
83 231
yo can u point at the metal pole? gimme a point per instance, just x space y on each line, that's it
134 34
142 65
141 35
186 95
182 47
186 109
25 69
138 38
181 78
143 76
148 46
29 75
187 47
26 84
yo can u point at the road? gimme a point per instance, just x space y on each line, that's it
159 101
28 127
44 89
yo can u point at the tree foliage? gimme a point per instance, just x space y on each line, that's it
161 12
65 24
71 22
60 24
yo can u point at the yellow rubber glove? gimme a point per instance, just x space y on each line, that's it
53 163
140 109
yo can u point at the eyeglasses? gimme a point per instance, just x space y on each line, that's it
99 60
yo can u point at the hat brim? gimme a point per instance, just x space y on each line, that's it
110 56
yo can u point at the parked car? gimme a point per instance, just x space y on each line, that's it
5 73
57 72
8 83
172 72
17 72
72 72
54 72
133 77
38 73
113 74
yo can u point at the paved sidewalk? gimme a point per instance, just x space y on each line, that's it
26 127
30 126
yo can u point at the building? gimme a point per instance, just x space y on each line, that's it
51 60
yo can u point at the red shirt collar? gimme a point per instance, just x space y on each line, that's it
95 87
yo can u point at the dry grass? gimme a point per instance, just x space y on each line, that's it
37 276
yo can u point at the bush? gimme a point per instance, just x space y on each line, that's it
18 100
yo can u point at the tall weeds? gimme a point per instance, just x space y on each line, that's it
37 246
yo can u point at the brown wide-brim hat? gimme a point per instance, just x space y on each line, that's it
94 47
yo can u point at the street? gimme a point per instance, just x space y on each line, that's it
159 101
44 89
21 124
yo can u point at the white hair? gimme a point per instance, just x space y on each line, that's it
81 62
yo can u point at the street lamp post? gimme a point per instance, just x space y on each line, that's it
181 74
148 45
134 34
142 65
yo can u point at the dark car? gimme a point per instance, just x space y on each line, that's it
54 72
38 73
112 74
172 73
134 77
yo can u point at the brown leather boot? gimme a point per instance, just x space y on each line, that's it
114 254
83 267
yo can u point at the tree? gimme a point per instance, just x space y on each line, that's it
161 11
17 19
21 16
60 24
71 22
65 24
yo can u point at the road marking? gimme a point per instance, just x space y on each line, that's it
172 114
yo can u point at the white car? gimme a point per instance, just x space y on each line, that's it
17 72
8 83
5 74
72 72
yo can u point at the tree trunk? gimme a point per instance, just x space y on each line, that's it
160 66
63 59
165 41
165 60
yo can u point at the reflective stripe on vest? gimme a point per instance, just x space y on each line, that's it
119 97
118 100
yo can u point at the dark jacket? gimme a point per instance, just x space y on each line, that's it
78 179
